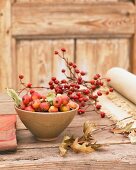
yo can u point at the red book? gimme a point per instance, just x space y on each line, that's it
8 133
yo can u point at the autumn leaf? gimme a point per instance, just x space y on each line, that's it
126 129
66 143
84 147
88 128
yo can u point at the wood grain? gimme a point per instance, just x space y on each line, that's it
5 44
65 20
97 56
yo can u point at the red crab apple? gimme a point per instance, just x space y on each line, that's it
72 105
22 106
53 109
57 102
29 108
26 99
65 99
35 96
64 108
44 106
36 104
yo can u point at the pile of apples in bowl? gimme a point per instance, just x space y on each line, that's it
46 116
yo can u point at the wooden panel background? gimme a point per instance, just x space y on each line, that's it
98 34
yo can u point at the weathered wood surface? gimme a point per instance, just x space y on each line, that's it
95 19
118 153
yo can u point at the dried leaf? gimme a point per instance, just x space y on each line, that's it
85 148
88 128
67 142
126 129
95 146
12 93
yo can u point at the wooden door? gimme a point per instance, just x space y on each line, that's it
98 34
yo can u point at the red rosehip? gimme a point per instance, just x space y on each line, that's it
77 71
95 77
102 114
70 64
56 81
82 73
98 75
29 85
21 76
101 83
63 49
92 82
107 93
81 111
111 89
86 91
51 83
63 81
108 80
53 78
31 91
93 87
51 87
56 52
98 106
99 93
74 65
63 70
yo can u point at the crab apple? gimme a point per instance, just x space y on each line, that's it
53 109
57 102
36 104
35 96
43 97
31 91
22 106
29 108
65 99
64 108
72 105
26 99
44 106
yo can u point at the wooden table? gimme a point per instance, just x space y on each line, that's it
31 154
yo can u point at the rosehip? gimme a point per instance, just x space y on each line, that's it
53 78
63 81
77 71
108 80
70 64
56 52
92 82
99 93
63 49
51 83
63 70
102 114
74 65
83 73
56 81
111 89
107 93
51 87
93 87
98 106
31 91
29 85
21 76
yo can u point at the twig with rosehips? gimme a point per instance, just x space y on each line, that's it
84 92
78 89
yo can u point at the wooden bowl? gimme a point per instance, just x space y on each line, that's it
46 126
